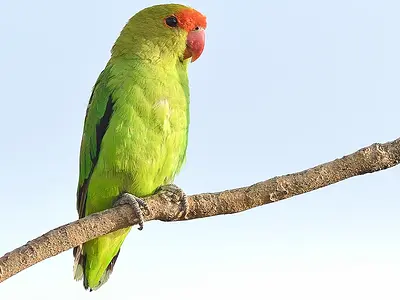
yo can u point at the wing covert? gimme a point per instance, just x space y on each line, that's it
98 115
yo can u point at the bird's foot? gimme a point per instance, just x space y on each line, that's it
173 193
136 203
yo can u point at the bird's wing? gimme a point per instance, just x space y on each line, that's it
98 115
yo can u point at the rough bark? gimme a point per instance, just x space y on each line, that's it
367 160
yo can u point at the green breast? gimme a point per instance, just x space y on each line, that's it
145 143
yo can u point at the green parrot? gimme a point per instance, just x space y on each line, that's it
136 126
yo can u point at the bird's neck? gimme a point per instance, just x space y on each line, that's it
155 68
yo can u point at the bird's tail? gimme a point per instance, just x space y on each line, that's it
79 263
80 269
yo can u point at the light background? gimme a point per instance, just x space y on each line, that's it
282 86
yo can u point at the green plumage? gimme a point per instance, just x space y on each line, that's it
135 131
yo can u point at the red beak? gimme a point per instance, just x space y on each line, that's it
194 44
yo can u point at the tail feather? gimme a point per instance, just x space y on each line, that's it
80 269
79 263
106 274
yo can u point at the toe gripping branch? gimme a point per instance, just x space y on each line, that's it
169 192
136 203
173 193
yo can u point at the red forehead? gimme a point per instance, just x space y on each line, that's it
189 19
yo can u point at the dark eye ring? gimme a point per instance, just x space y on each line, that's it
171 21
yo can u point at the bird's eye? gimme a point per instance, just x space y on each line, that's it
171 21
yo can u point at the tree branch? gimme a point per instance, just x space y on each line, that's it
367 160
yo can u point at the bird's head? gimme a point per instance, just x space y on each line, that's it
168 31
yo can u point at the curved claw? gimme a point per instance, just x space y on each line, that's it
173 193
136 203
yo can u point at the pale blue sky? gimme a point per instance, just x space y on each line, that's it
281 86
